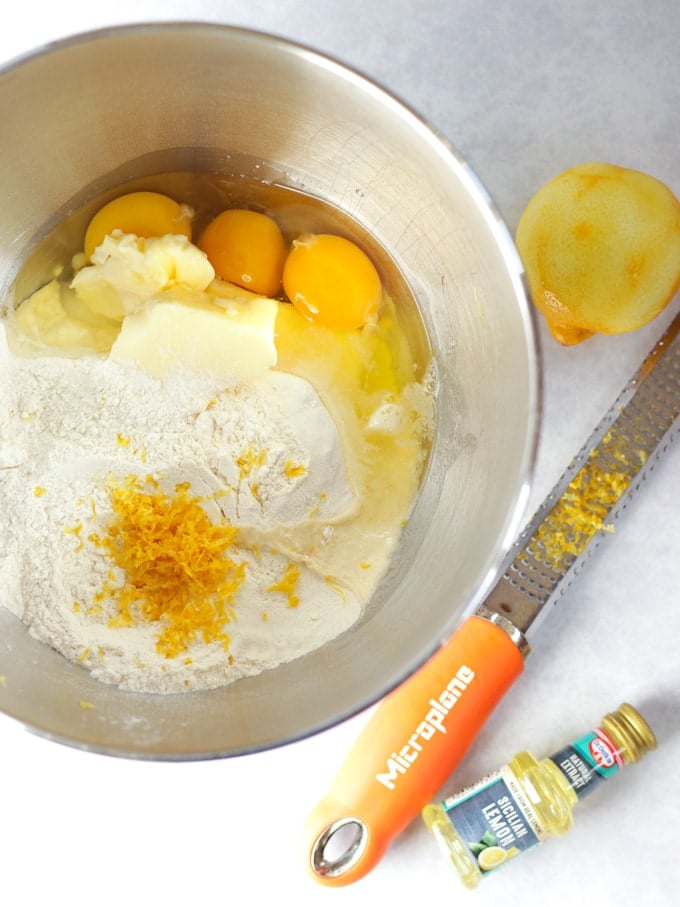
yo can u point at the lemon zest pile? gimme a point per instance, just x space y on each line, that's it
175 562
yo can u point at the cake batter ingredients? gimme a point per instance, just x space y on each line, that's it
86 442
198 483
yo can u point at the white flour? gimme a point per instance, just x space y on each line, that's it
67 424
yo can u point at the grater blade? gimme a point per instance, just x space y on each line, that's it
581 509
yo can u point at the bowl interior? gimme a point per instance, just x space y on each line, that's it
95 111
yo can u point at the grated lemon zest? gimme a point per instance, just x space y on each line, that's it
175 565
249 460
75 530
288 585
293 470
583 509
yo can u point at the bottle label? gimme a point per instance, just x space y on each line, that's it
494 820
587 762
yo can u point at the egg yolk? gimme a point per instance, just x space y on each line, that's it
142 213
246 248
332 282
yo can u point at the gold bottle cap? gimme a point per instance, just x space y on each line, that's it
630 732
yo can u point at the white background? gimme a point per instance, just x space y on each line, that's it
524 89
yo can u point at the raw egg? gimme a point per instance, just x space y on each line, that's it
246 248
332 282
142 213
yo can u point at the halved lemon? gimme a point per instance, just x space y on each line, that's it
601 248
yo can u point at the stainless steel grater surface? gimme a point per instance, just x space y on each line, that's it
596 486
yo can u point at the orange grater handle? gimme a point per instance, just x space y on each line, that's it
408 749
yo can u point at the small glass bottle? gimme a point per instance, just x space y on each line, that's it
527 801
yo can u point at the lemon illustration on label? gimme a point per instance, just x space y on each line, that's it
491 857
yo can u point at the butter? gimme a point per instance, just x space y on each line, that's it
235 341
53 317
154 302
127 271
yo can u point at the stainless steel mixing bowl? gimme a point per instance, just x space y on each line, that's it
85 114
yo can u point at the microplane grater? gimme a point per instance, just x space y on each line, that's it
594 489
432 718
